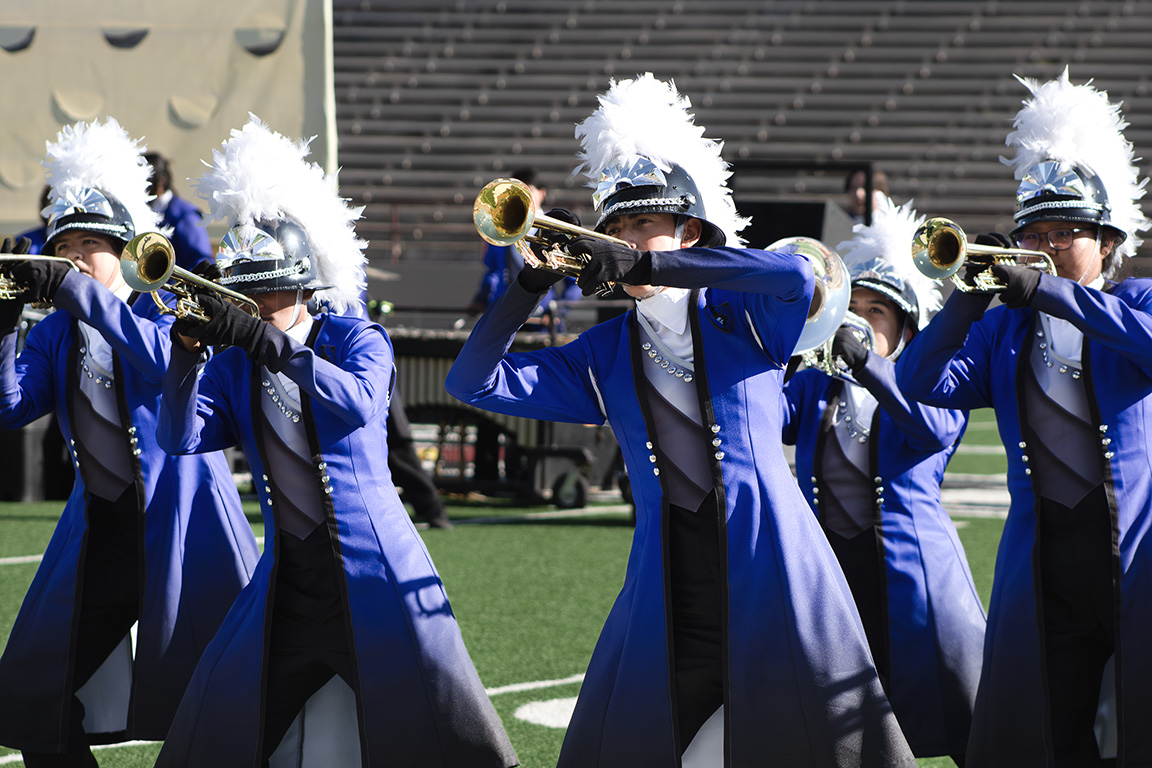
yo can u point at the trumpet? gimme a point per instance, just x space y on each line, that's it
940 249
9 290
504 214
148 263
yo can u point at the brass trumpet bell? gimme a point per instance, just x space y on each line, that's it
505 214
940 249
148 263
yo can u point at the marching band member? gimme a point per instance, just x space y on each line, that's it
717 649
1066 365
343 650
870 462
145 540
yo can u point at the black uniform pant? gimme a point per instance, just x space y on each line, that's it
109 606
1077 572
309 643
859 559
697 615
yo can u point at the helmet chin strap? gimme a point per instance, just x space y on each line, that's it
895 354
299 306
1080 280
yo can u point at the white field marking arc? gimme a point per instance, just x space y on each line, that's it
513 688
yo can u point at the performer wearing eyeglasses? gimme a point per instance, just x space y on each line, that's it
734 640
146 539
870 461
1067 365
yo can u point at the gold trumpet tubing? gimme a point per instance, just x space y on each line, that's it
503 214
11 291
148 264
940 250
556 259
987 282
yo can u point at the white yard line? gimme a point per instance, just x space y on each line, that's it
534 686
21 560
513 688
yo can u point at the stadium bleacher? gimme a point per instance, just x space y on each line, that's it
437 99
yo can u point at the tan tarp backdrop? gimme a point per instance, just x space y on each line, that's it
178 74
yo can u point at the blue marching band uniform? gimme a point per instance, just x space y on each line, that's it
346 576
870 462
930 622
418 700
790 693
196 548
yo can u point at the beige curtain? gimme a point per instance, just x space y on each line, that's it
180 74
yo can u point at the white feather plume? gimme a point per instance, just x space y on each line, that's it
1078 125
889 240
102 156
260 175
646 117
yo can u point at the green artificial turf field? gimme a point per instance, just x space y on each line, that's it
530 594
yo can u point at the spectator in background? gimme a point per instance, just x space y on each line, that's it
855 186
416 487
38 235
189 237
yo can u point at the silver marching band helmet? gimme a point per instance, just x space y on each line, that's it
641 187
642 152
88 209
266 257
1056 191
289 230
1074 164
880 276
97 181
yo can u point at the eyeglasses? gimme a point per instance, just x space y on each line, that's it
1058 239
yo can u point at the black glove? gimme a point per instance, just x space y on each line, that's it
979 262
994 239
40 279
11 309
536 280
19 248
1021 284
610 263
228 326
849 348
208 270
551 236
